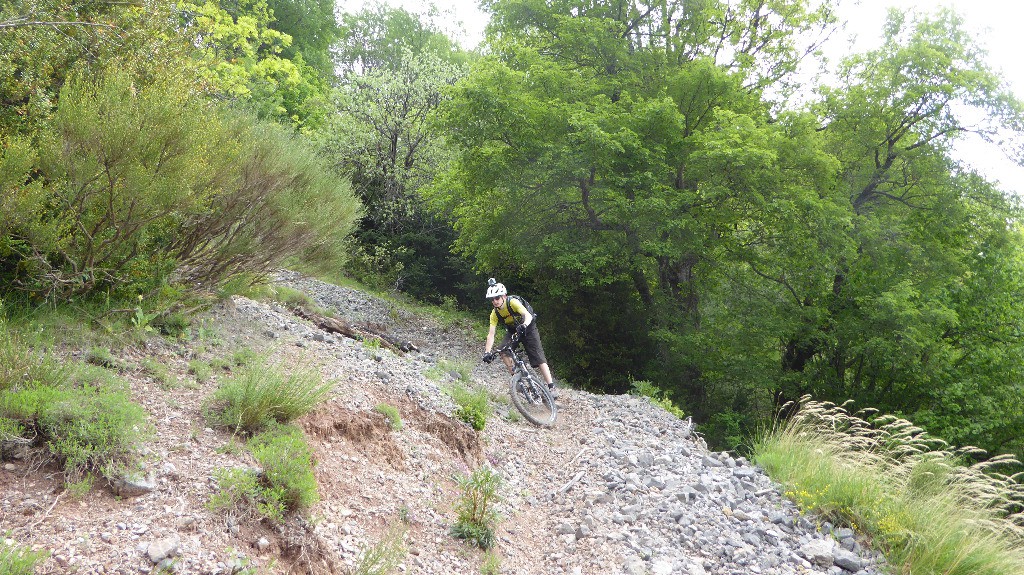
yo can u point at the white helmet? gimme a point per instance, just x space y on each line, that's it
495 289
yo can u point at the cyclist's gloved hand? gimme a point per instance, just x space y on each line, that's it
520 330
488 357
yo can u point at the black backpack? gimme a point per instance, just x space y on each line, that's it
525 304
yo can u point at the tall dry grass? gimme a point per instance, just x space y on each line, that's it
930 507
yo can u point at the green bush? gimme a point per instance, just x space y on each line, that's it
476 513
86 429
93 431
139 182
472 405
286 484
656 395
260 394
287 463
391 412
17 560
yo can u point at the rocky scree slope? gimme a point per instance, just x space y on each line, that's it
616 486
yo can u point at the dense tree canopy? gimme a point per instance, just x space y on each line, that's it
631 154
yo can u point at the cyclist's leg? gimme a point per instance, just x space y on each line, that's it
535 351
505 357
546 373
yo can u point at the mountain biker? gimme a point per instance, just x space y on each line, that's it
517 319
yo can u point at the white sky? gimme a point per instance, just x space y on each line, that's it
996 24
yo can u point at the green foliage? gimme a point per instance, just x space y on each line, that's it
724 430
397 69
476 513
384 557
286 484
656 395
243 57
915 497
240 492
86 429
200 369
390 412
18 560
491 564
260 394
287 462
471 404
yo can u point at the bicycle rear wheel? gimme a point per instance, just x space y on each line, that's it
532 398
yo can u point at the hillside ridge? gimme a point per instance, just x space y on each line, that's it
616 486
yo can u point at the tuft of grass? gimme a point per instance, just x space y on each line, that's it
476 513
491 564
460 371
291 297
384 557
200 370
911 493
472 405
22 366
174 325
240 493
18 560
261 394
159 372
101 356
79 489
244 356
391 412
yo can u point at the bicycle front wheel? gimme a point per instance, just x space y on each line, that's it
532 398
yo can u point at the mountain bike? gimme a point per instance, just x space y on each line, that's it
530 394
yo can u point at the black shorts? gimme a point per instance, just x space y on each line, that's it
531 341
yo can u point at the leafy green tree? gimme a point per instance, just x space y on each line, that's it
396 72
899 329
244 59
599 147
313 28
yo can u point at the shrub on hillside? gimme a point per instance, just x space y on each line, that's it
260 394
472 405
477 516
86 429
139 183
287 462
285 484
